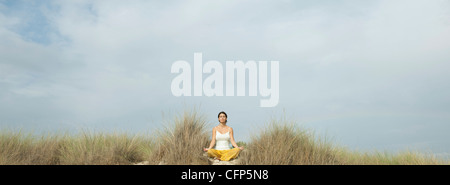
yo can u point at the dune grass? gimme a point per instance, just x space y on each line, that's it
407 157
280 142
81 149
182 141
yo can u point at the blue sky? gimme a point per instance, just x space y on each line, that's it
370 74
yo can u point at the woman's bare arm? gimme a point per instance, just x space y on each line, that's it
213 140
232 138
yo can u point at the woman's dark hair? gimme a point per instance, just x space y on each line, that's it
222 112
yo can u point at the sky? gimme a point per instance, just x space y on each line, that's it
371 75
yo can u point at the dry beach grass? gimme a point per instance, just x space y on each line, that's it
182 141
84 149
280 142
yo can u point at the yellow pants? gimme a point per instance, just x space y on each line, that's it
224 155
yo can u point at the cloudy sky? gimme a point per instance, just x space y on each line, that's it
370 74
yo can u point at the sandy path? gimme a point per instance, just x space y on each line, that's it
211 160
217 162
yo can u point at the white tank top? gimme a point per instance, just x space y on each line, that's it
222 141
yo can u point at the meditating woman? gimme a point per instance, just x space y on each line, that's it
222 135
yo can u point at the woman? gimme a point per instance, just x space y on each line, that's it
222 135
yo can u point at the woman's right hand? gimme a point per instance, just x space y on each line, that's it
205 149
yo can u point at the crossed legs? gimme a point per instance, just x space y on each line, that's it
224 155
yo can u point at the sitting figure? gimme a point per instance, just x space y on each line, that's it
222 135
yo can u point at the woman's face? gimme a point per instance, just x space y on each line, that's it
222 118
